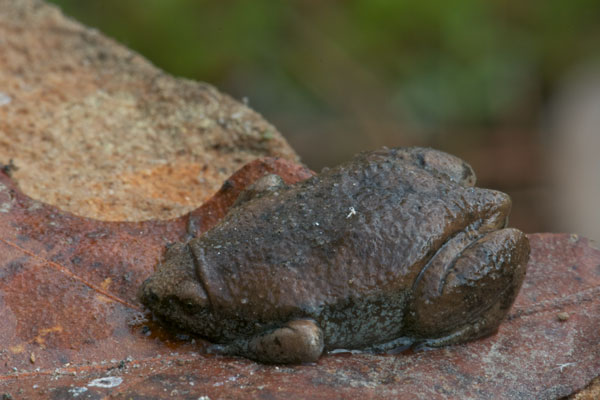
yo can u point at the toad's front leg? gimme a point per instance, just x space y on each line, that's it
298 341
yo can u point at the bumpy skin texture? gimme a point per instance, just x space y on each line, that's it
395 246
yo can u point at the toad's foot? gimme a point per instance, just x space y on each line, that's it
296 342
486 325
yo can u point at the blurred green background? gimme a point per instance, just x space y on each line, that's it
475 78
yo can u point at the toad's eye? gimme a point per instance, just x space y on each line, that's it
191 295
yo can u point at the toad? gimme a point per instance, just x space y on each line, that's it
393 248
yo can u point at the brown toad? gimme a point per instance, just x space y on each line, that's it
392 248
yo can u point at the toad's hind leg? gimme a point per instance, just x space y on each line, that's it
469 297
298 341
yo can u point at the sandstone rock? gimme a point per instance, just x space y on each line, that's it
96 129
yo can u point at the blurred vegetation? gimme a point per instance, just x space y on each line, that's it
393 72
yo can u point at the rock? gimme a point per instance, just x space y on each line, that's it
96 129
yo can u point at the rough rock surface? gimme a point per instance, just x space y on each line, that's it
95 128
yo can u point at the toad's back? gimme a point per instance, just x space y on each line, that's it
341 248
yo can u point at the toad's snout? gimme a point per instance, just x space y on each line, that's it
173 289
174 286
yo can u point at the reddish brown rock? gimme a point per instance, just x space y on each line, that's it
71 321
